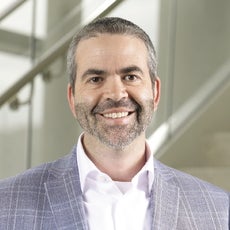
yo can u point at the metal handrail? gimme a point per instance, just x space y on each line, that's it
187 113
11 9
55 51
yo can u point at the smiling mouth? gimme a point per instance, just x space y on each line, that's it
116 115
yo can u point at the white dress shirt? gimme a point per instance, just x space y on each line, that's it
114 205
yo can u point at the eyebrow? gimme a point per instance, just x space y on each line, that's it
125 70
89 72
130 69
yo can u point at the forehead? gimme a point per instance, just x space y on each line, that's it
111 46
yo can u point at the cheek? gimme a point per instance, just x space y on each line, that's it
86 98
144 94
145 98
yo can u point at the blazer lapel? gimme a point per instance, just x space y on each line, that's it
164 202
65 196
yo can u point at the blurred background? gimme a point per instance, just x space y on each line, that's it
191 130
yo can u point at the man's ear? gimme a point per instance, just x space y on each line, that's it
157 90
71 99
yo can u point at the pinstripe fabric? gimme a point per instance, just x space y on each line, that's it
49 197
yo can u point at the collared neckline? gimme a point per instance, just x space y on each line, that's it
87 167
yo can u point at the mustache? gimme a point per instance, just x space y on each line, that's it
110 104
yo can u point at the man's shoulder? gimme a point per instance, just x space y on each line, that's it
30 177
35 177
24 196
187 183
200 202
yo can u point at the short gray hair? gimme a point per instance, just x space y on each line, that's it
110 25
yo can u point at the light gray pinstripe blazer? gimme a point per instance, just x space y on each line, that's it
49 197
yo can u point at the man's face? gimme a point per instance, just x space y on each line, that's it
114 98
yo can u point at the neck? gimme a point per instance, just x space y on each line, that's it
120 164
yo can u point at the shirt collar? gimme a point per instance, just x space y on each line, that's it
147 171
86 167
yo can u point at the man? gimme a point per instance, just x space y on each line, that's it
111 180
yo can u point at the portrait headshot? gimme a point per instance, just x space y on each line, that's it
119 117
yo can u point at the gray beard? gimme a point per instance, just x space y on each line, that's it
115 137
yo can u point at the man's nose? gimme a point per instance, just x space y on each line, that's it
115 89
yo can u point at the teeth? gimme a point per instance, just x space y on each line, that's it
116 115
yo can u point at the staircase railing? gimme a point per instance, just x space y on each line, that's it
55 51
184 116
11 9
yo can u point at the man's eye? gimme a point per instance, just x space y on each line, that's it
130 78
95 80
